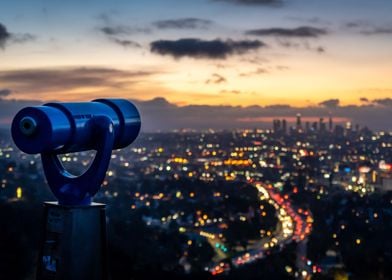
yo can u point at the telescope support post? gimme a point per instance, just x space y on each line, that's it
74 243
77 190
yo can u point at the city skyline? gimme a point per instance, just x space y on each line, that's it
160 115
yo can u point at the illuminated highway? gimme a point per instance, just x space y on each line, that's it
294 225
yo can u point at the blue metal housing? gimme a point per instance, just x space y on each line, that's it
58 128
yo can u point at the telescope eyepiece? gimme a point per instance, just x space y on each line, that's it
28 126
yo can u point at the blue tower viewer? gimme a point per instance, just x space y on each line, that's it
58 128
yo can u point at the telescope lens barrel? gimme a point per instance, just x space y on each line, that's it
66 127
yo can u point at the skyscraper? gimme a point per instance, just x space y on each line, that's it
322 125
307 127
276 126
299 125
314 126
284 126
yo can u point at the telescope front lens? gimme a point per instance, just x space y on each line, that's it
28 126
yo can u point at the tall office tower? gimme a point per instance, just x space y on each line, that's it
330 124
284 126
348 128
298 125
307 127
276 126
314 126
339 131
322 125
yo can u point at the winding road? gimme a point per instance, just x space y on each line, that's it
294 225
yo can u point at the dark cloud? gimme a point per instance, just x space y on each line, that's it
158 102
366 28
387 102
5 92
330 103
258 71
126 43
302 32
282 67
116 30
312 20
233 91
4 35
255 60
255 2
118 34
19 38
63 79
216 79
278 106
23 38
107 17
197 48
377 31
183 23
363 99
289 43
357 24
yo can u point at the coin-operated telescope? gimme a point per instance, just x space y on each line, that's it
58 128
72 248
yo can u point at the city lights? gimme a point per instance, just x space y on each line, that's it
193 189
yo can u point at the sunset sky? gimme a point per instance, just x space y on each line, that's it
201 52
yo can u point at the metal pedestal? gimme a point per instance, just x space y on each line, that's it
74 243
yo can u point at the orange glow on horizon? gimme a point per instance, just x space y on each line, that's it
293 119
